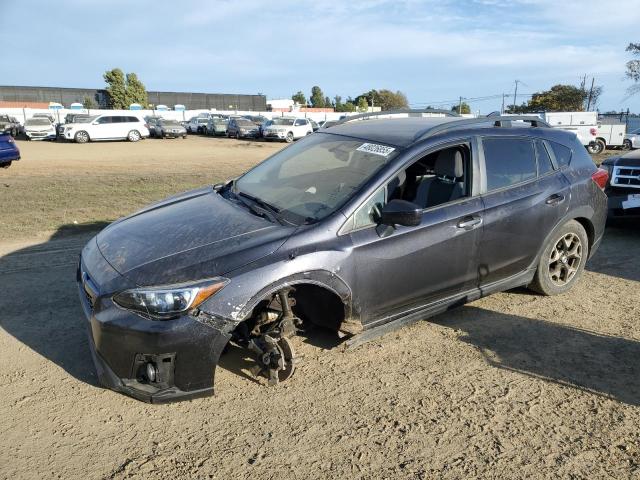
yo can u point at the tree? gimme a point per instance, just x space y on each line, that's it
116 89
327 102
124 90
633 69
363 105
464 107
299 98
87 102
317 97
560 98
337 103
385 99
136 93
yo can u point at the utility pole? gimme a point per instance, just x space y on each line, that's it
460 106
515 94
502 109
590 94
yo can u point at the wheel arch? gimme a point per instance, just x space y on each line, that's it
338 311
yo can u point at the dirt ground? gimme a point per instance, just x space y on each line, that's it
511 386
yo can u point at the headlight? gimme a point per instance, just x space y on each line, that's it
608 168
169 301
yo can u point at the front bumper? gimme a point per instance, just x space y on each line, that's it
621 205
275 135
184 351
41 135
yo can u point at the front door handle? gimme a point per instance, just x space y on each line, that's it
470 222
555 199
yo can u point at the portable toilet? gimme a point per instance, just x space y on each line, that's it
76 106
135 106
179 108
162 108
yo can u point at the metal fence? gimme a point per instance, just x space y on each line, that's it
192 101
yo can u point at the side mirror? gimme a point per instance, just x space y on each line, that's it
401 212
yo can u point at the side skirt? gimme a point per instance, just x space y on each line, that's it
435 308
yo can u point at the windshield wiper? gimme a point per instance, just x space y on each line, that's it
265 208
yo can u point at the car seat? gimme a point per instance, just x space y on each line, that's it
447 184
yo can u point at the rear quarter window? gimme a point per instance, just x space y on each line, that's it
562 154
508 161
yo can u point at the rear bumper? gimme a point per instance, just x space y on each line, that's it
184 352
9 156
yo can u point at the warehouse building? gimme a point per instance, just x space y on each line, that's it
40 97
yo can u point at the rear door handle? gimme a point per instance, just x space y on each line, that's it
555 199
469 222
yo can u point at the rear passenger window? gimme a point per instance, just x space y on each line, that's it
544 160
105 120
508 161
132 119
562 154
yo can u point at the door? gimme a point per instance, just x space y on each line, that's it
524 199
101 128
400 269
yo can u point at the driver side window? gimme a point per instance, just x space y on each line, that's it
369 212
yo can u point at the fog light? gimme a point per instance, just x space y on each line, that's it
152 372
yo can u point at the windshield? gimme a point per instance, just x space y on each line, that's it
314 177
635 132
282 121
37 121
245 123
219 121
170 123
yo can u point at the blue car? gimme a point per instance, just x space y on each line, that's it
8 150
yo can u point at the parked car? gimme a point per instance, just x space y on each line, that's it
632 139
9 151
9 125
217 126
623 188
197 124
152 123
107 127
48 116
242 128
314 126
39 128
165 128
360 229
329 123
287 129
260 121
72 118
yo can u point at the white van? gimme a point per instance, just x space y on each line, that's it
583 124
107 127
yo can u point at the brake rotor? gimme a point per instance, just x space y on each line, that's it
275 359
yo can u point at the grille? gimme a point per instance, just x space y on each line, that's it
626 177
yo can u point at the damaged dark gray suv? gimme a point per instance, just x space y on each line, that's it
364 227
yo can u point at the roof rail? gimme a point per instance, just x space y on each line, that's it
495 120
362 116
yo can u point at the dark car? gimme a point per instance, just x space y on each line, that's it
9 151
360 228
163 128
242 128
623 189
9 125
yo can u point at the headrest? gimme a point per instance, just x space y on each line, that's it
449 164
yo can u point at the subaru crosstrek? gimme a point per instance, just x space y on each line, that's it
359 228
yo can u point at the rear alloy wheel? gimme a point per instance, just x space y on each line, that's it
596 147
562 261
81 137
626 145
237 135
134 136
289 137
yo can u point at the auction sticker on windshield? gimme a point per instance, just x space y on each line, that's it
375 149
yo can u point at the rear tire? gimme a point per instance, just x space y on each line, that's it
562 261
81 137
626 145
289 137
5 165
595 148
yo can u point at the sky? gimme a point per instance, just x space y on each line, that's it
432 50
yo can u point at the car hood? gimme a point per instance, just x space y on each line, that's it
188 237
631 159
39 128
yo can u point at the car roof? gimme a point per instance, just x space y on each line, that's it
395 131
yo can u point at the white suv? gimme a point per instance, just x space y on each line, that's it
287 128
107 127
